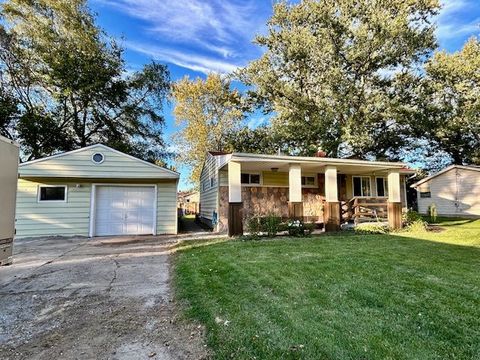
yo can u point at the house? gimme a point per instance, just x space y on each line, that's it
189 202
95 191
455 191
8 188
327 191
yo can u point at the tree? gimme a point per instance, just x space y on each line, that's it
65 83
449 101
331 72
208 111
260 140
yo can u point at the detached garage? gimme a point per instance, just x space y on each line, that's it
95 191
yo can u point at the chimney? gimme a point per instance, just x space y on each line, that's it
320 153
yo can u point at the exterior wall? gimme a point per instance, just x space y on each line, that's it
454 193
78 164
72 217
209 193
8 187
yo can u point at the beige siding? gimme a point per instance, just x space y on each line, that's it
455 192
73 216
167 208
52 218
208 193
8 187
78 164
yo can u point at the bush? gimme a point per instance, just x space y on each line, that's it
371 228
270 224
417 226
410 217
298 228
254 227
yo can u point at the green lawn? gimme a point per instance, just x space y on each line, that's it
405 296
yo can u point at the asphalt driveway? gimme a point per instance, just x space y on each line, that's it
102 298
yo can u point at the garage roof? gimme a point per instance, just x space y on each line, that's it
81 163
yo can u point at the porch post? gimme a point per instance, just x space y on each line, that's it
295 204
331 211
235 219
394 200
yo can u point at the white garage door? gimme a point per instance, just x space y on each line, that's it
124 210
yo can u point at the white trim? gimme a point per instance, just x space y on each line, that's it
405 190
448 168
353 186
385 188
39 186
93 196
103 147
100 162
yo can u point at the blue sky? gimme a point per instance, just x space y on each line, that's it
195 37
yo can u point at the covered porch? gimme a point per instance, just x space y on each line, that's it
329 192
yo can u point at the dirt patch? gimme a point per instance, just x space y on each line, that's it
435 228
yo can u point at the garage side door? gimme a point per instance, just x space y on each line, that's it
124 210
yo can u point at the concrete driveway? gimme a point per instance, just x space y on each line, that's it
102 298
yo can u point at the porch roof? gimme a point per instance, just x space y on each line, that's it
262 162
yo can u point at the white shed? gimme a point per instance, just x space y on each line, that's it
95 191
455 191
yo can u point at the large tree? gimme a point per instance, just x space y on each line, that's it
64 85
331 72
449 100
207 112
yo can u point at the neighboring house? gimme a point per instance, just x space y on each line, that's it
455 191
8 189
189 202
327 191
95 191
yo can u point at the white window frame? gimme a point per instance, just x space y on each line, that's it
361 188
249 183
99 153
51 201
385 186
315 181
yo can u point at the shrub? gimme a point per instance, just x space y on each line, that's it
417 226
270 224
254 227
411 216
432 213
298 228
371 228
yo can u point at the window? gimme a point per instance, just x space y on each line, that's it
98 158
425 194
52 193
382 186
213 182
361 186
308 181
248 179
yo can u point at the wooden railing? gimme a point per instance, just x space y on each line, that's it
366 209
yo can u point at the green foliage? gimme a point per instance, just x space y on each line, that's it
207 111
261 140
371 228
326 73
298 228
64 84
432 213
411 216
417 226
270 224
254 227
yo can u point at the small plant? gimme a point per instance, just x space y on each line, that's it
270 224
254 227
371 228
417 226
411 216
298 228
432 213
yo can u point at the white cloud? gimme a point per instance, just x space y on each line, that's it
452 21
184 59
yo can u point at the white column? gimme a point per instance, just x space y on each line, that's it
331 187
234 182
394 186
295 183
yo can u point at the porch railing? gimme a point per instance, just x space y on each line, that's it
366 209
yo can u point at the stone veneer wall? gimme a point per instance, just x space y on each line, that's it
262 201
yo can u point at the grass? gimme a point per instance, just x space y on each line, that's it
402 296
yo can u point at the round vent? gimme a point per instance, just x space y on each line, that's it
98 158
